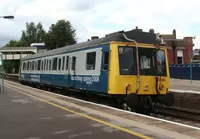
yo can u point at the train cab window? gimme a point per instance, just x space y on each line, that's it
127 62
73 63
39 63
59 64
146 61
63 63
161 63
105 60
67 62
90 61
54 63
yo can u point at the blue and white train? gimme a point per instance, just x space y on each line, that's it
130 66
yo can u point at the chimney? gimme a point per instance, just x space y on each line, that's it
94 37
174 33
137 29
151 31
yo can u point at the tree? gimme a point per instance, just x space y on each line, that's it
32 34
13 43
60 34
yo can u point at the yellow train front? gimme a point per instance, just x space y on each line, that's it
138 75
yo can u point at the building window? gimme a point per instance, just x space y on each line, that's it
54 63
73 63
90 61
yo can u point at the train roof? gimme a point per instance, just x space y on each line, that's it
137 35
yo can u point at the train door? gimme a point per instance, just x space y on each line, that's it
72 71
105 68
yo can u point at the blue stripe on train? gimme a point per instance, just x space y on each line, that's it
87 82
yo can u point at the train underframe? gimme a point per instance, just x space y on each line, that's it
143 103
131 102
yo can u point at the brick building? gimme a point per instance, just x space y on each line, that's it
179 49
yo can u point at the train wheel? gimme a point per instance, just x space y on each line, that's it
126 107
146 105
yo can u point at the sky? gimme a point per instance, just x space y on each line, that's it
100 17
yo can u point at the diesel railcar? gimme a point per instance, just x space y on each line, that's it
130 66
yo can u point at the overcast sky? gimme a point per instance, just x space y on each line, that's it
99 17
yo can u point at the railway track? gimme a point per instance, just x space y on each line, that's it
191 117
176 112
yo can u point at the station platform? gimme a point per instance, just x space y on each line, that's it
29 113
185 85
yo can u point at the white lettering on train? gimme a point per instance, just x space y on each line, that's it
86 79
35 78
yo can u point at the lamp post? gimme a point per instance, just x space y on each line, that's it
191 58
7 17
1 56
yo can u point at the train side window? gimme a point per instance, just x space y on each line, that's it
73 63
23 66
54 63
105 60
26 66
33 65
39 63
59 64
47 65
67 63
63 63
90 61
50 64
42 66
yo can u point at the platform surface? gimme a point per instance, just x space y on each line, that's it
28 113
185 85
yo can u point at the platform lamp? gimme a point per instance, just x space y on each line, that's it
7 17
191 59
2 71
1 55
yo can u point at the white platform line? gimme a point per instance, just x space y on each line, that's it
184 91
105 106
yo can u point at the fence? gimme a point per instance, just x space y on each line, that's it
182 71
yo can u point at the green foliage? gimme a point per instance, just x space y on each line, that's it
13 43
11 66
60 34
33 34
